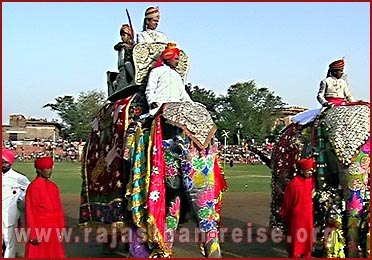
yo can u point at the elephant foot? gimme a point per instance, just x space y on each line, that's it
158 253
211 251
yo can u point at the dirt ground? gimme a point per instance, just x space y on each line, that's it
246 211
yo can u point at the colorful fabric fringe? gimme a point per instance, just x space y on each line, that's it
103 173
138 193
156 190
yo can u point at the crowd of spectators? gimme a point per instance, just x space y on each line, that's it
61 150
242 153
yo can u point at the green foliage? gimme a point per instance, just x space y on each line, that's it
252 107
245 103
77 115
205 97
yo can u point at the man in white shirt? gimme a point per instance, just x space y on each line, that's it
334 89
150 23
13 189
165 84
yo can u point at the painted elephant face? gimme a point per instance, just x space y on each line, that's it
339 139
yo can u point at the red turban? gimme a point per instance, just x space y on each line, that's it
170 52
337 65
306 164
152 12
8 155
44 163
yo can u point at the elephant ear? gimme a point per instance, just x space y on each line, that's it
284 156
347 129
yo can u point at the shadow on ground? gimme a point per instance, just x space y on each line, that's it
244 226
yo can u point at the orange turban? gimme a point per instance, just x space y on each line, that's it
44 163
125 28
8 155
306 164
152 12
337 65
170 52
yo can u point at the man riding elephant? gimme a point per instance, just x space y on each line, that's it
334 89
150 152
175 155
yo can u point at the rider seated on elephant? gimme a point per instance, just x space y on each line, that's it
125 51
334 89
150 23
165 84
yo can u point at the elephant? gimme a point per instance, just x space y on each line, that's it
142 172
339 139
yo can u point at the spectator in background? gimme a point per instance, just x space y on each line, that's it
231 162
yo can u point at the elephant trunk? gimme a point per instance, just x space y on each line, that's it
264 157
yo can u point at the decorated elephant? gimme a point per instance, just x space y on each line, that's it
141 172
339 139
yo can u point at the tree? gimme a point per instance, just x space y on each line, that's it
205 97
77 115
252 107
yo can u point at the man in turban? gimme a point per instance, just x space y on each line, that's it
297 210
165 84
13 190
44 213
334 89
125 55
150 23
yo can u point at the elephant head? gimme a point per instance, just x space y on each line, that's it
339 140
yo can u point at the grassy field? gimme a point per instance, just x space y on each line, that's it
66 175
240 177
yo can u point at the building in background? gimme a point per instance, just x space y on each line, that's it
22 130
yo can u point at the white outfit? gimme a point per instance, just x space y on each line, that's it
14 189
165 85
307 116
335 88
151 36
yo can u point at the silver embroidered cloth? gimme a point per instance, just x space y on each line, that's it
193 118
347 127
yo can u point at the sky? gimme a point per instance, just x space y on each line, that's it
55 49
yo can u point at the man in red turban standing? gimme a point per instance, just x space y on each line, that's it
44 214
297 210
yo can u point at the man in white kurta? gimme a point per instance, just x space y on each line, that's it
14 186
334 89
165 84
150 23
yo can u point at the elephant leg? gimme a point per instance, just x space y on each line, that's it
198 177
207 220
354 189
172 219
